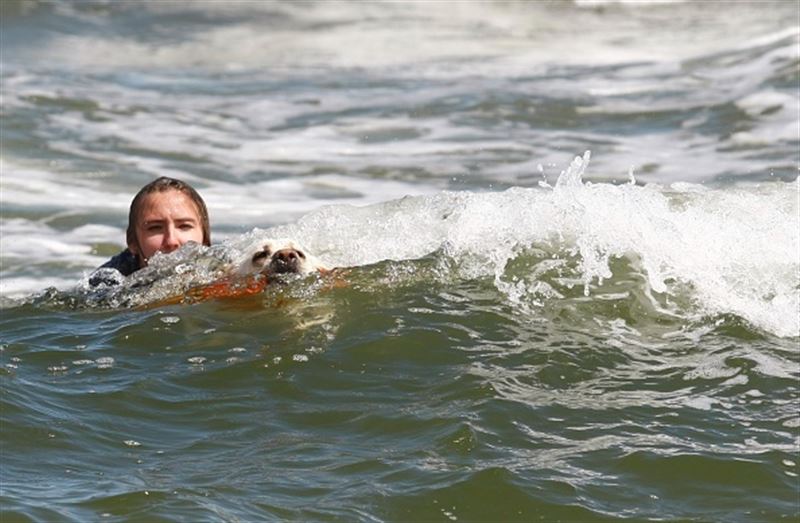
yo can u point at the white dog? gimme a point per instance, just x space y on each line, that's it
264 266
282 256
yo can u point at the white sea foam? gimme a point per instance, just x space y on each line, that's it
737 249
595 3
36 240
303 127
15 287
43 187
400 34
775 115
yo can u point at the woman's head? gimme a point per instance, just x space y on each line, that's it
165 214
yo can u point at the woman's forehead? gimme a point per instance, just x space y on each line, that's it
167 204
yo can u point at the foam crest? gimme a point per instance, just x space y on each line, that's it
733 251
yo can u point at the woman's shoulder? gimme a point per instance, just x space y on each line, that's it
111 272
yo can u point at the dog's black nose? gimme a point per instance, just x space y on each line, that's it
286 260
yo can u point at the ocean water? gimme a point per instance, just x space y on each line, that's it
569 241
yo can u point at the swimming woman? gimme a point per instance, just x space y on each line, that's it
164 214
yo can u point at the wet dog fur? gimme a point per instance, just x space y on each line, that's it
281 256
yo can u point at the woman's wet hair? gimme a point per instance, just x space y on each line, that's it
164 184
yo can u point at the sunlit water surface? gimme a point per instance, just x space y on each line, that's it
522 330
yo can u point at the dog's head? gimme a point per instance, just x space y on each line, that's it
282 257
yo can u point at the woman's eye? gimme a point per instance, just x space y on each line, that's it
186 227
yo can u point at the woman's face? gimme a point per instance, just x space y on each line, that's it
166 221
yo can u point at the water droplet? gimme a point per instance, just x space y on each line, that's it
197 360
237 349
132 443
299 357
170 319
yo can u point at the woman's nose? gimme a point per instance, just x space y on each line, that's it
170 241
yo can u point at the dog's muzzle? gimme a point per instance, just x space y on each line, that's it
286 261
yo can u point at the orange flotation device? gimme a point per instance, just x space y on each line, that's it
237 287
228 288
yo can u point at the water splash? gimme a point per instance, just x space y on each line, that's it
685 250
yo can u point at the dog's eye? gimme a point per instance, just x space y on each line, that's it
260 255
300 253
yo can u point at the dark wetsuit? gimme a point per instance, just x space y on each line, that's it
110 272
